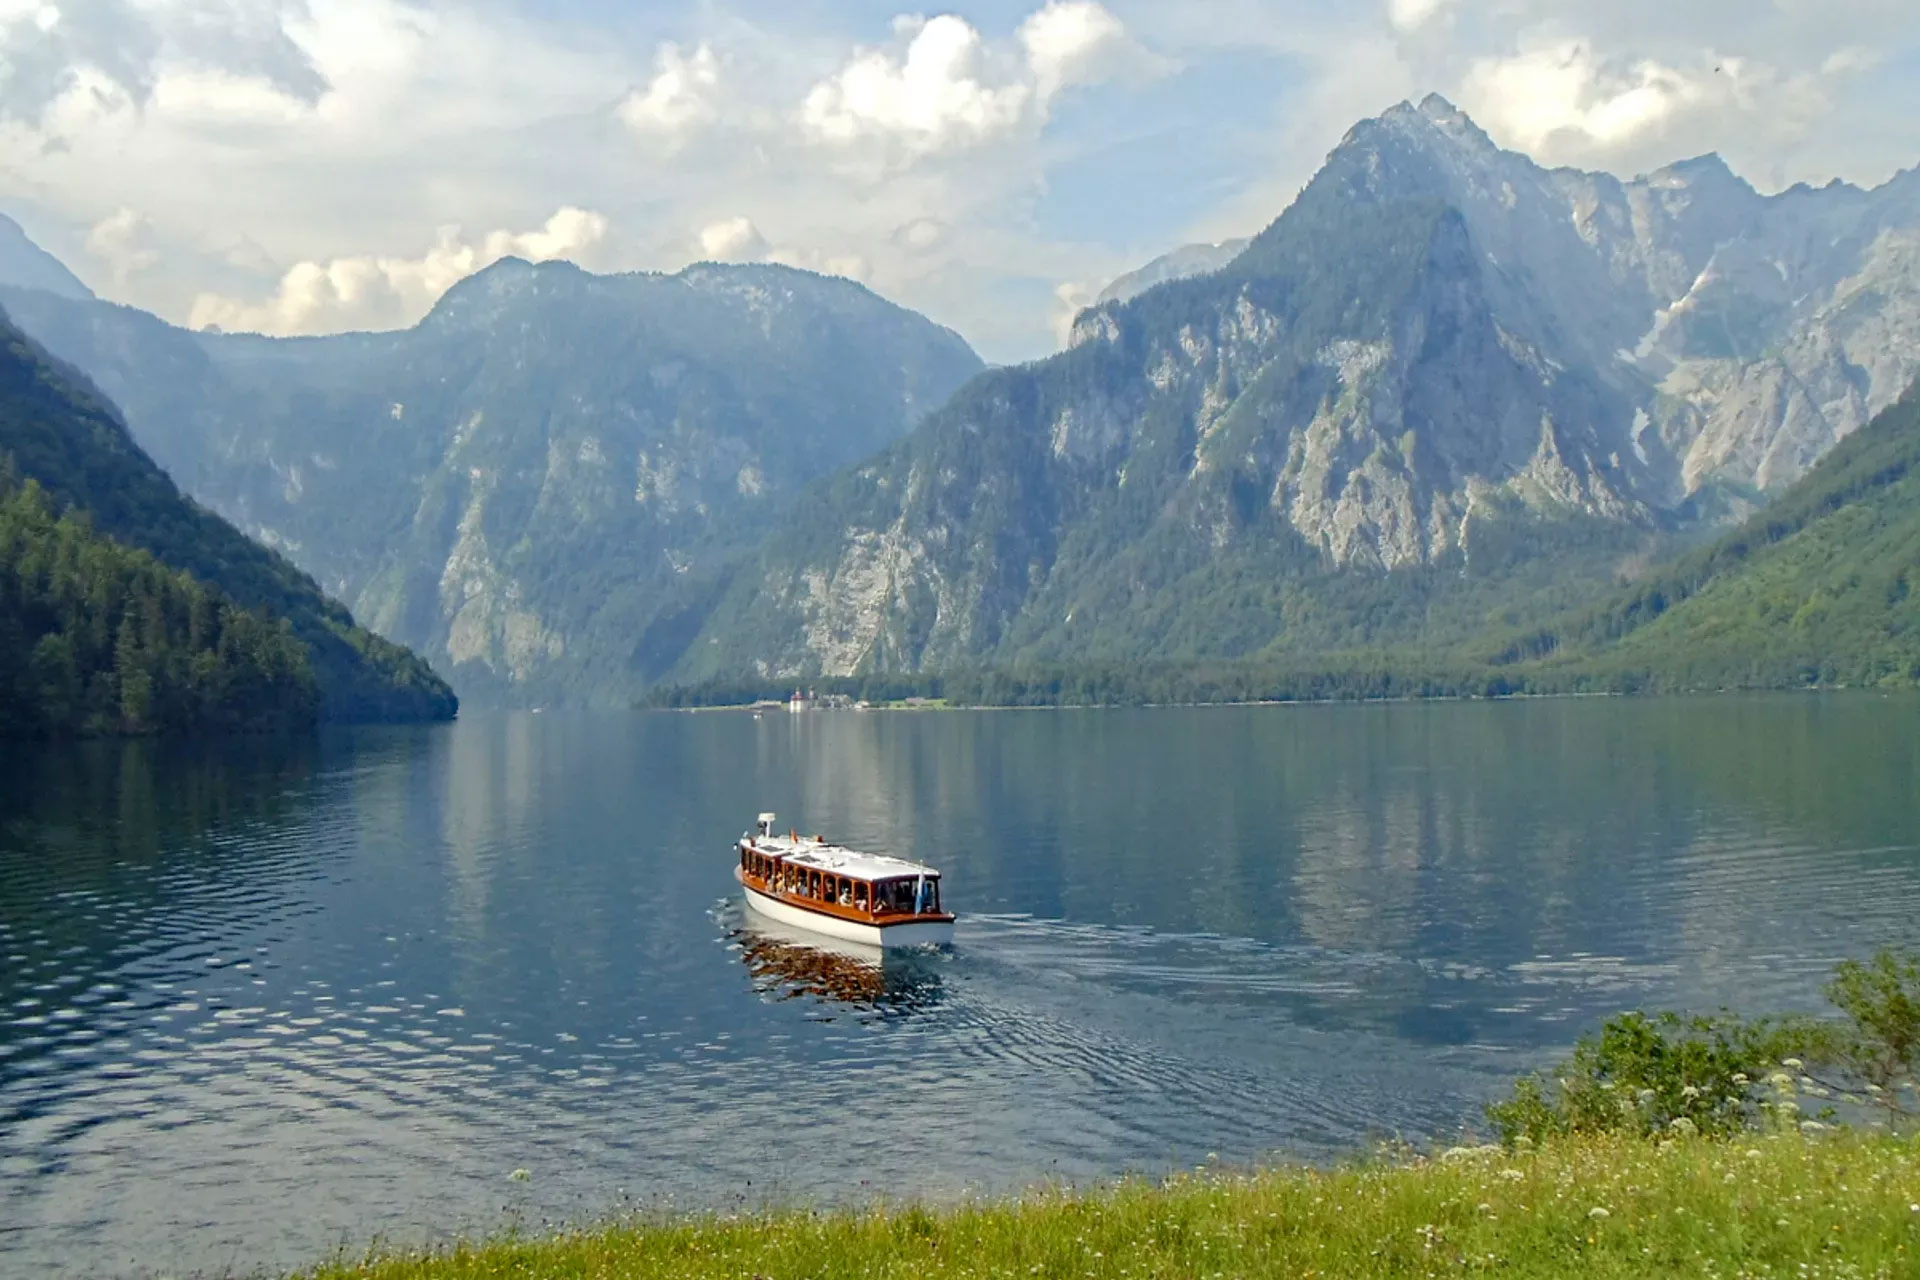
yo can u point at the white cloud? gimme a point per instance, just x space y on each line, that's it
123 240
1562 102
939 162
380 292
933 97
1069 300
682 96
1073 42
921 234
948 90
736 239
1411 15
732 240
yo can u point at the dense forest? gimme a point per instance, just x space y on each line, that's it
62 435
96 637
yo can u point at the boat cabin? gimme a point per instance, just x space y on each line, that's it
831 879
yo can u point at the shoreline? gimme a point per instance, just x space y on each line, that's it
1840 1202
1396 700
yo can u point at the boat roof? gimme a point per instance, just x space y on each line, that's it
839 859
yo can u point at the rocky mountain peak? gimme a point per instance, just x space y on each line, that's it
1456 125
478 297
1698 171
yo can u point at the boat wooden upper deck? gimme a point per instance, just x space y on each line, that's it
810 875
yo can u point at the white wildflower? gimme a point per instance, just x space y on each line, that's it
1792 1064
520 1175
1598 1212
1682 1125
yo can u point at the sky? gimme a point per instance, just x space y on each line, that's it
308 166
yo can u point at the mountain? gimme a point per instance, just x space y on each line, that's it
25 265
1820 588
541 485
1179 264
1446 387
58 433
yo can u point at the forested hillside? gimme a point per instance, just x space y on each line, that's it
96 637
60 433
1816 589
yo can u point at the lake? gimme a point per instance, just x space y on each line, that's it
261 1001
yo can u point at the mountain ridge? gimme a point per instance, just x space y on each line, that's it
1312 408
536 482
26 265
1445 387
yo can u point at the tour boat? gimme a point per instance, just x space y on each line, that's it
869 898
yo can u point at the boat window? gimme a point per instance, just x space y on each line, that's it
860 894
814 884
933 895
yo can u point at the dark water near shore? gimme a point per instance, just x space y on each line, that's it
261 1001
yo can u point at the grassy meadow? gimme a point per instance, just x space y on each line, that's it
1834 1203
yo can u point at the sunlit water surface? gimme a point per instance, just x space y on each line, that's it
262 1002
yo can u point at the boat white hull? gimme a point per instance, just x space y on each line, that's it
892 937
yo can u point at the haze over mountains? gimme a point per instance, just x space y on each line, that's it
1446 390
94 634
532 485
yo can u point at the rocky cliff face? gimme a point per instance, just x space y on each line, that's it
1439 339
538 486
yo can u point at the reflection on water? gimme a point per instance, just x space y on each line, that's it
260 1000
788 963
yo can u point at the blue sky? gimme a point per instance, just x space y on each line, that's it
301 166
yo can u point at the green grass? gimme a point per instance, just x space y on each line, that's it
1834 1204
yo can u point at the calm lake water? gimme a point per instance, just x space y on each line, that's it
262 1002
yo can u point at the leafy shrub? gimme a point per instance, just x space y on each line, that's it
1649 1075
1882 998
1654 1074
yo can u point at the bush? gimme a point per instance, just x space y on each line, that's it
1882 998
1659 1074
1719 1075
